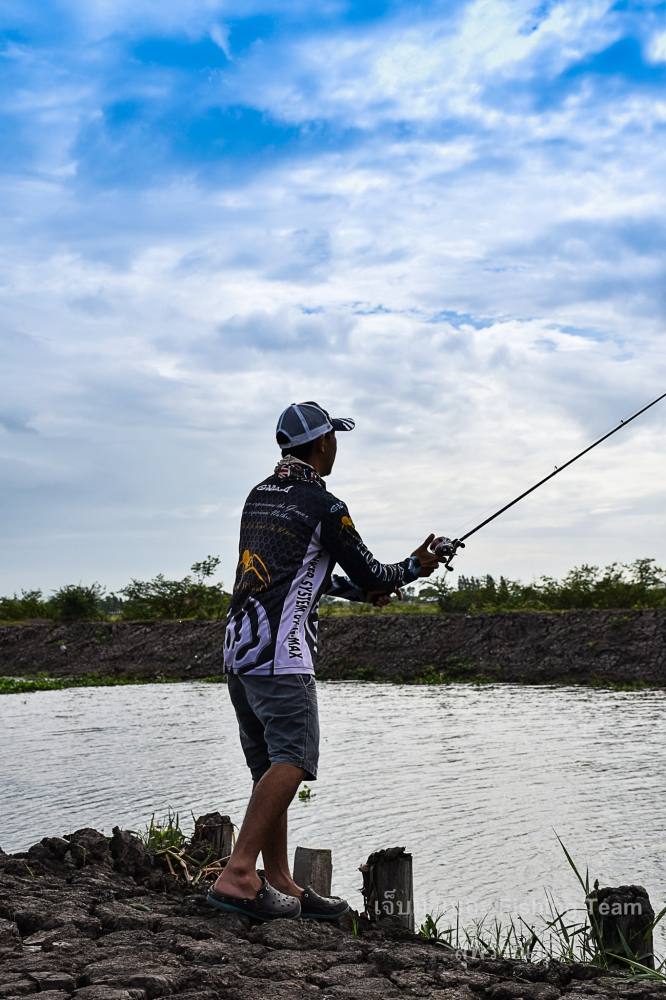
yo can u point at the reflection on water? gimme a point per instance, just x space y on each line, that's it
474 781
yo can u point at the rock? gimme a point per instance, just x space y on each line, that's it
53 995
337 975
364 989
295 934
117 916
282 965
104 993
34 914
580 970
513 989
9 933
253 990
412 982
15 984
52 852
55 981
129 853
89 847
130 968
201 952
196 995
452 993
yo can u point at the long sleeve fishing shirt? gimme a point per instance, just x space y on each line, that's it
293 532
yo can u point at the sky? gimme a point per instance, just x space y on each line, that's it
444 219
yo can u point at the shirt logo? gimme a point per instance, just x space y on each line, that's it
252 563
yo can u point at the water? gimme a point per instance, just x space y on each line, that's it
474 781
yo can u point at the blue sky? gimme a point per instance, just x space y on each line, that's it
444 219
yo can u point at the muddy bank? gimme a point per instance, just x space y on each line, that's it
587 647
94 918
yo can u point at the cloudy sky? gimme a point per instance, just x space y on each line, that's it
445 219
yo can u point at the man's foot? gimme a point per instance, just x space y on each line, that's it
313 905
266 904
233 883
316 907
284 883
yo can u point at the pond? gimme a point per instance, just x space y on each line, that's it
475 781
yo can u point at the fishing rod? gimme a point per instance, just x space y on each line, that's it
446 548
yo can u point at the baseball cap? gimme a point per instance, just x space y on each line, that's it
303 422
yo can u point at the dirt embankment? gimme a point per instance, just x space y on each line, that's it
93 918
586 647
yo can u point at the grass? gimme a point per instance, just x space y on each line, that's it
565 935
461 673
347 609
167 842
43 682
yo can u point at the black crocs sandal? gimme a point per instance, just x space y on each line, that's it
316 907
268 904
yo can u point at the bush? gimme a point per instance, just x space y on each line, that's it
160 598
30 604
636 585
76 603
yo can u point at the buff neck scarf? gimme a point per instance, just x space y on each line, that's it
291 467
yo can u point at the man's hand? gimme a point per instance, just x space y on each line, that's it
379 598
429 561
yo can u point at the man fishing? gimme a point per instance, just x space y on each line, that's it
293 532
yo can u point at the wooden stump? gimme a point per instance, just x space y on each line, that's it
623 918
217 831
314 866
388 889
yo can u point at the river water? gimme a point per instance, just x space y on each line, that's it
475 781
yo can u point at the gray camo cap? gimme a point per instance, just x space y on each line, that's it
303 422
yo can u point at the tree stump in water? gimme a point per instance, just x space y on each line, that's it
388 888
314 866
623 917
214 832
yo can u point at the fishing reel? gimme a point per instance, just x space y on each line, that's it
445 549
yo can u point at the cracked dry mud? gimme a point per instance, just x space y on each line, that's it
94 918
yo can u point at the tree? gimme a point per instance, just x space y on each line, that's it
76 602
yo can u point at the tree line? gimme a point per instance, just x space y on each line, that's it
637 585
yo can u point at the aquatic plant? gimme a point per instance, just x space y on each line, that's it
43 682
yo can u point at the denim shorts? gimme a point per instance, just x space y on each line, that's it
278 720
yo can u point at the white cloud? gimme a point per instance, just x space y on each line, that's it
220 35
422 69
485 299
656 48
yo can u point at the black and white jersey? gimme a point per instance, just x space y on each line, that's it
293 532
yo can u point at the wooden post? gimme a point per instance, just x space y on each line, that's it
388 889
622 918
217 831
314 866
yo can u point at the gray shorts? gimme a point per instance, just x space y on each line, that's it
278 720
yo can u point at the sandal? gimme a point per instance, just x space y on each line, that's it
268 904
316 907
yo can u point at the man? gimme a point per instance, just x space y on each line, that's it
293 531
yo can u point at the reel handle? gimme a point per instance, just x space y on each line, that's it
445 549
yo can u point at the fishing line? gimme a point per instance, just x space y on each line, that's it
446 548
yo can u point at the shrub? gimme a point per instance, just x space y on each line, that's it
76 603
190 597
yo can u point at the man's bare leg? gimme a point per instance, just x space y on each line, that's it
269 801
276 862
